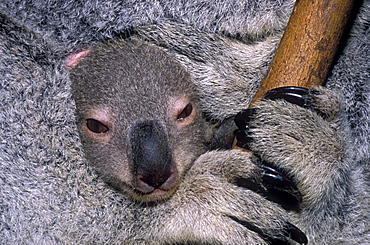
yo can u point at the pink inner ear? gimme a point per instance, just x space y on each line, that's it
73 59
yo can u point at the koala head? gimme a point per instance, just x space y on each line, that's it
138 117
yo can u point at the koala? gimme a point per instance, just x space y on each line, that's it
141 129
305 180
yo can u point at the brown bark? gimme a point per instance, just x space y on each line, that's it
308 46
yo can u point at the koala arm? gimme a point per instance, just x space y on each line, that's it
211 208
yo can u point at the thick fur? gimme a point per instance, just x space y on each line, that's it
49 195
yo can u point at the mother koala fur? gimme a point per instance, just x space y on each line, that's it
317 155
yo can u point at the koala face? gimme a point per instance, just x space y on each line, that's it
138 117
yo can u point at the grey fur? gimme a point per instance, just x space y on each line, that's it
50 196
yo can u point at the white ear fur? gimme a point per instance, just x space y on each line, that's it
73 59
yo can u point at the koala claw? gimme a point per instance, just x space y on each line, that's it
243 138
243 118
243 134
295 233
295 95
279 189
290 231
274 186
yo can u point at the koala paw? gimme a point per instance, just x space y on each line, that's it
313 99
296 130
322 101
228 189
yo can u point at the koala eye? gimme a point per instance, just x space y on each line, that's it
182 111
96 126
185 112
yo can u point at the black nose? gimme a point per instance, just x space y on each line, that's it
151 154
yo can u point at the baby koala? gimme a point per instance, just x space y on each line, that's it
138 117
142 130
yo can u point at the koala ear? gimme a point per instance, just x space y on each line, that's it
73 59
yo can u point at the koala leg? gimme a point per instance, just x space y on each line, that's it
301 131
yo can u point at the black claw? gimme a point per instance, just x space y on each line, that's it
277 188
261 233
243 138
290 231
295 95
295 234
276 180
243 134
274 187
243 118
270 170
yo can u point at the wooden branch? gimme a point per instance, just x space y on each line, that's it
308 46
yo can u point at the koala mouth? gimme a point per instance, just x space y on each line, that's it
157 188
154 196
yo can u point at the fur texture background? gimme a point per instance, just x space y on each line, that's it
48 194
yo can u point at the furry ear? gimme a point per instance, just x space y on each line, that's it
73 59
